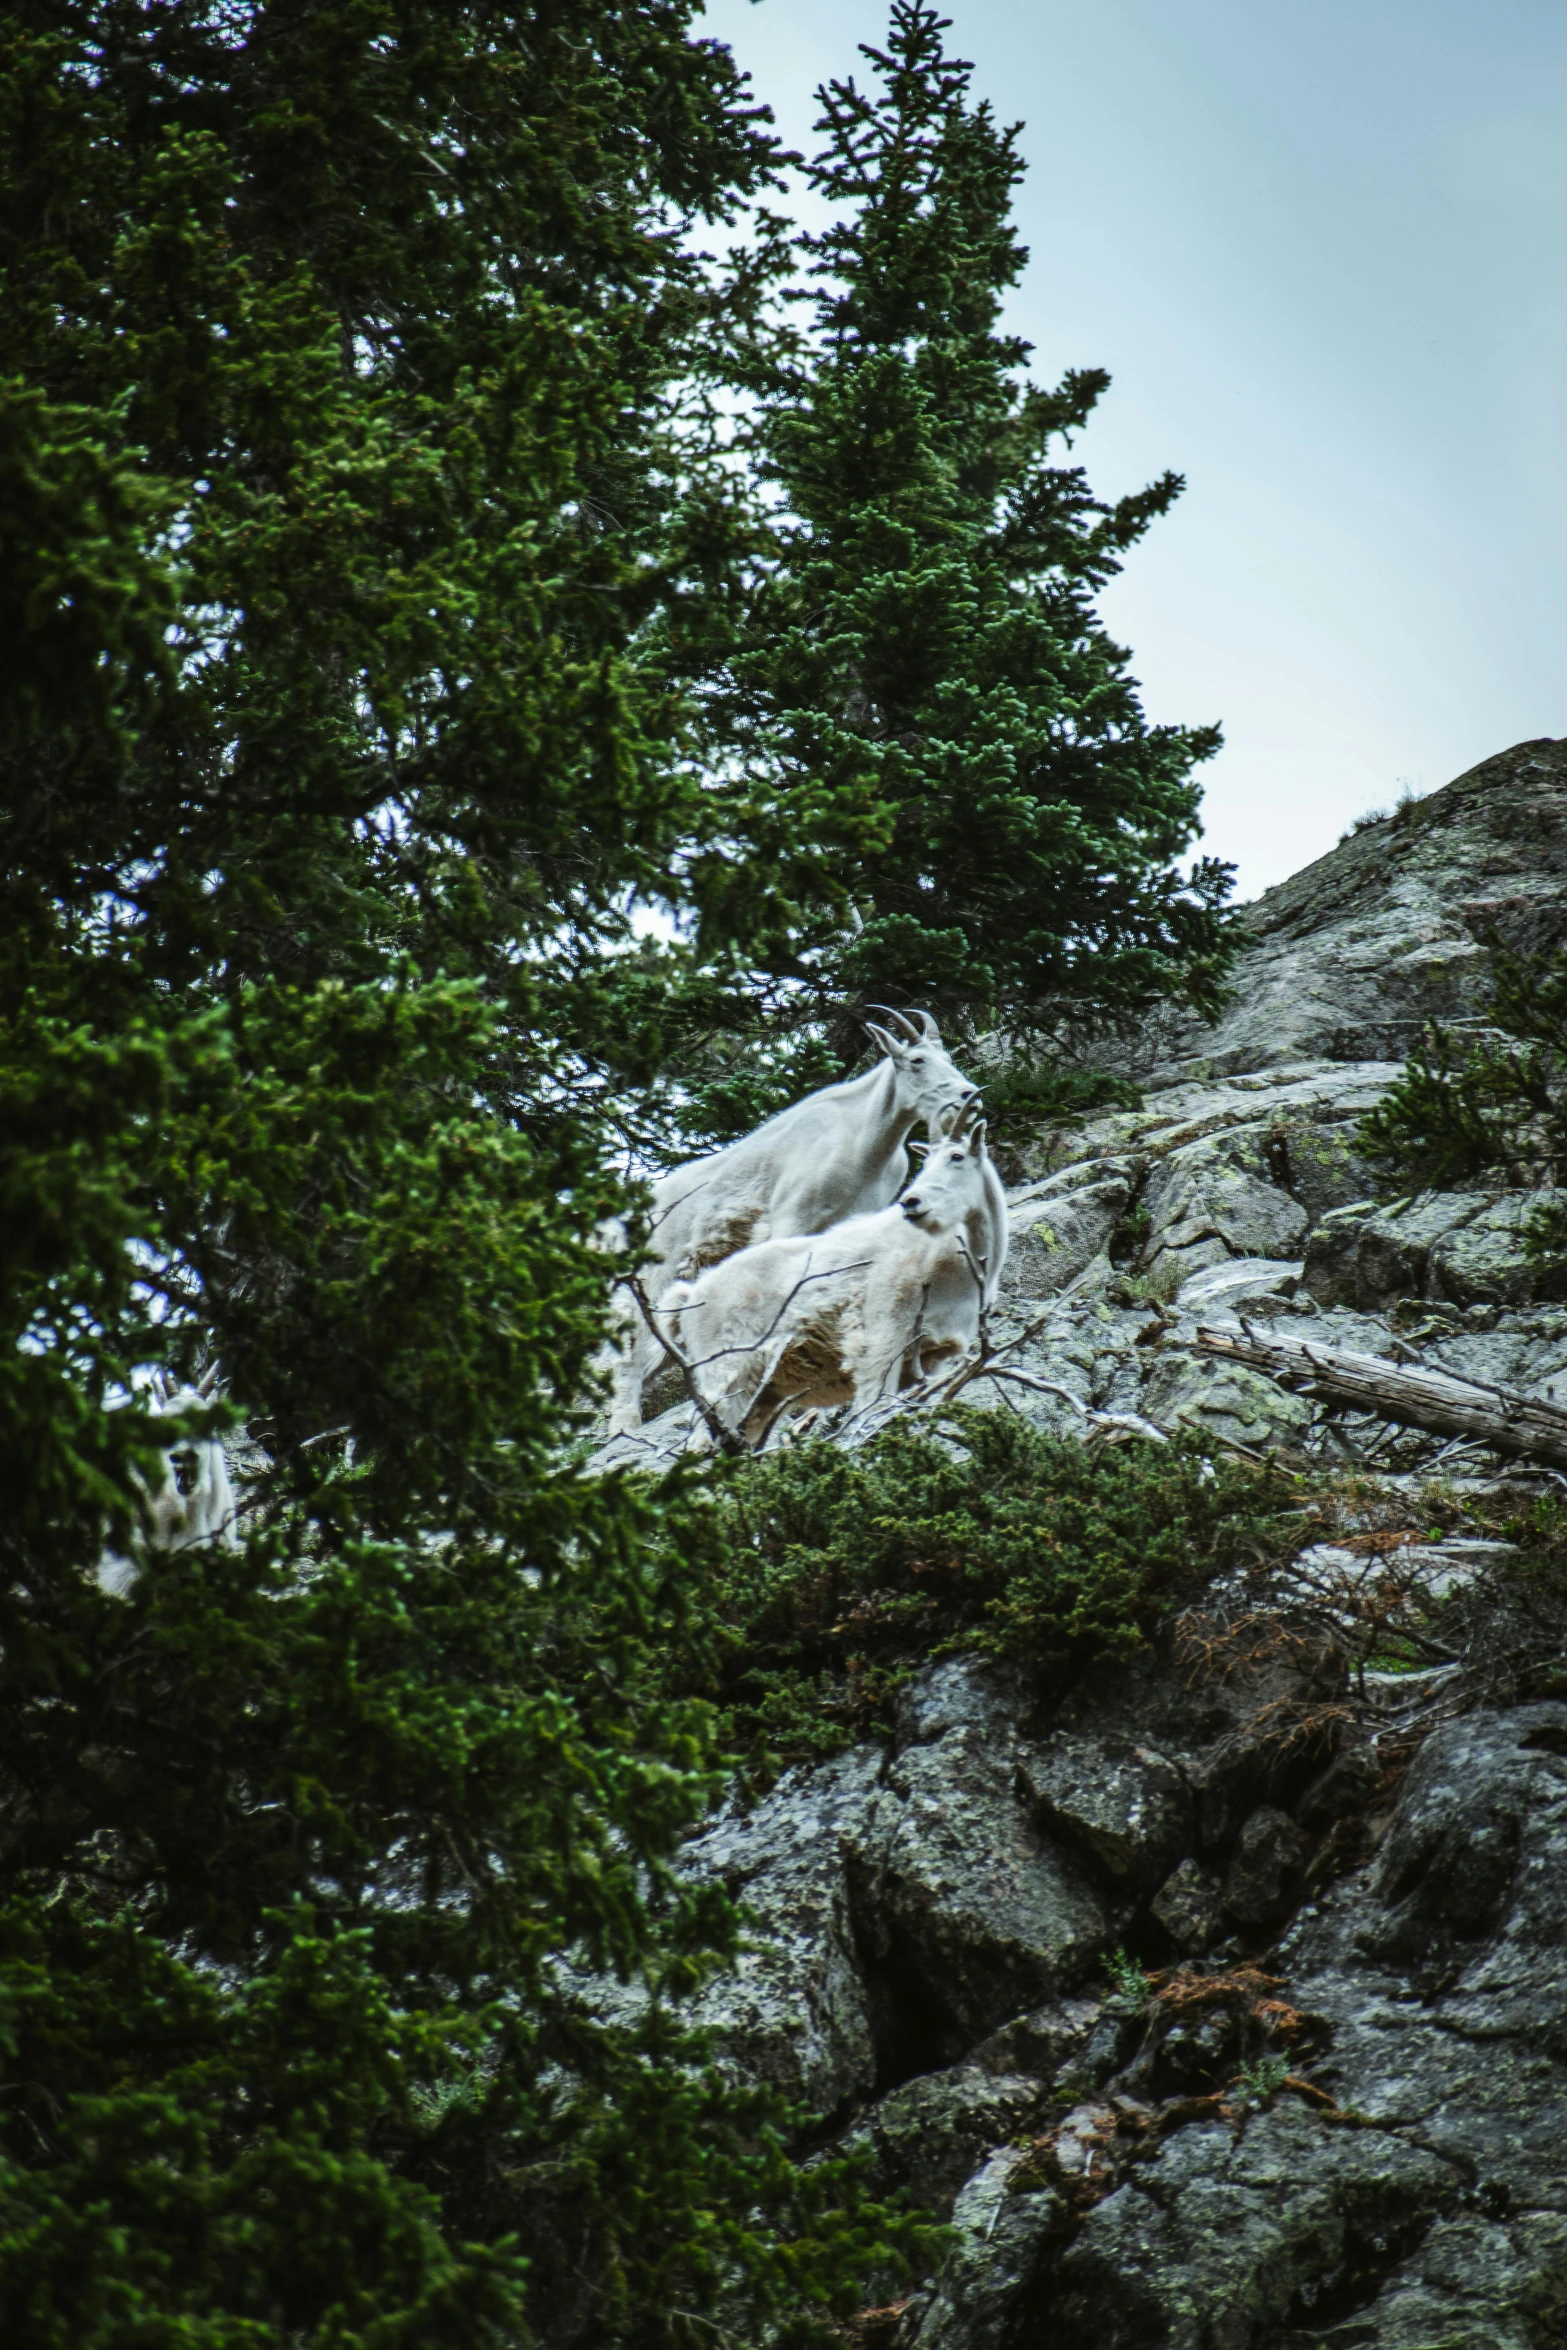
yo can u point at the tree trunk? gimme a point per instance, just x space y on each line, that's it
1415 1397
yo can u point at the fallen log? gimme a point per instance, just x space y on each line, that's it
1409 1394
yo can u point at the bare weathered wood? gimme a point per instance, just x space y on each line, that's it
1410 1394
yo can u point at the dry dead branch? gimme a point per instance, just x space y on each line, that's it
1411 1395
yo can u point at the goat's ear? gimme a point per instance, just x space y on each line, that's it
976 1139
889 1044
207 1383
919 1149
928 1026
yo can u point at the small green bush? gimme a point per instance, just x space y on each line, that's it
835 1575
1130 1988
1470 1107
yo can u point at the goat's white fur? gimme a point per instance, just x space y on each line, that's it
851 1314
841 1152
191 1501
985 1223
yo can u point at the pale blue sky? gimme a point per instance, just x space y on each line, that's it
1321 245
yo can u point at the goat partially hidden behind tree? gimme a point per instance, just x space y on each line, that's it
852 1314
190 1501
841 1152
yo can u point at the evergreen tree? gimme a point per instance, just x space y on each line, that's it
930 632
348 458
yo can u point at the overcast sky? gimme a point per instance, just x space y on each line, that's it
1321 246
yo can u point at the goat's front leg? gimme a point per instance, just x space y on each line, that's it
627 1357
723 1368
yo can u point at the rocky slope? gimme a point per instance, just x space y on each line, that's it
1357 951
1320 2096
1336 2115
1236 1188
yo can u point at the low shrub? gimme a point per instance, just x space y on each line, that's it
835 1575
1491 1106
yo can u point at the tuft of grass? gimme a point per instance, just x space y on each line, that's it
1260 2083
1130 1988
1408 798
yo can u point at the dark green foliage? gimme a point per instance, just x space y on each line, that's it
1023 1096
209 2175
378 1768
1469 1106
840 1573
381 621
306 2160
929 631
362 538
390 317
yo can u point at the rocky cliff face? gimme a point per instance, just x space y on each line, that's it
1222 2001
1236 1188
1355 953
1335 2115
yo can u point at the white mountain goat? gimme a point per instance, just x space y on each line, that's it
839 1152
849 1315
191 1501
985 1226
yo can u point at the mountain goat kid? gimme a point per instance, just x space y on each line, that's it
851 1314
